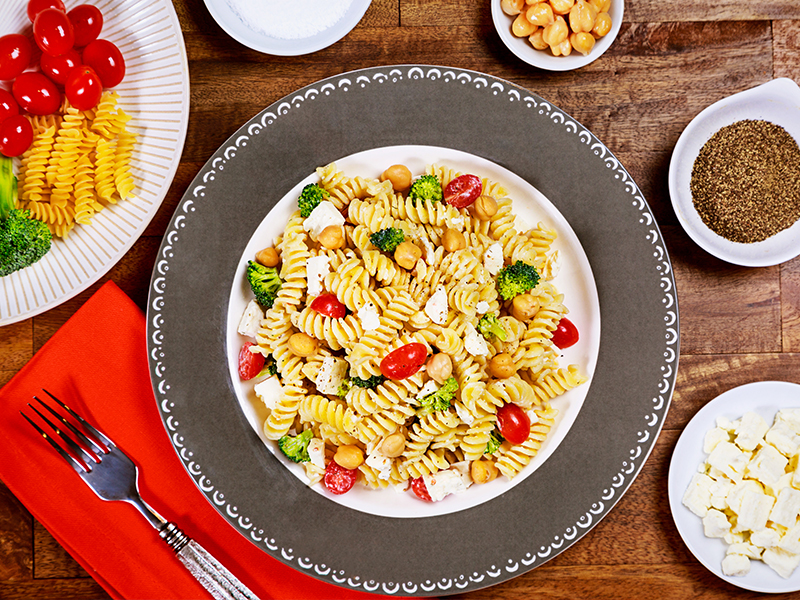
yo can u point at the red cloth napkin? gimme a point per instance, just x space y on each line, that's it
97 364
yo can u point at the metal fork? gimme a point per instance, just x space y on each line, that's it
113 476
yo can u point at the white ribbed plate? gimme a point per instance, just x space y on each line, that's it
155 93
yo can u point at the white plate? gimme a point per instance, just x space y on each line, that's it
225 14
542 59
575 280
155 93
764 398
777 101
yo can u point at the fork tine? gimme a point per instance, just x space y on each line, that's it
66 455
79 451
89 442
94 431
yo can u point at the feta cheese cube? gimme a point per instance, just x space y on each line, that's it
775 489
493 258
754 511
269 391
697 497
787 507
474 342
482 307
317 267
765 538
783 438
791 417
381 463
324 215
734 499
726 424
316 452
745 549
715 524
719 493
250 322
735 565
734 538
436 306
782 562
368 314
767 466
444 483
790 541
729 459
714 437
331 374
750 431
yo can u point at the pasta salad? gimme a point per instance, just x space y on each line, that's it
403 333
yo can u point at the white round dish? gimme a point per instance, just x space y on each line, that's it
155 93
542 59
764 398
225 14
777 101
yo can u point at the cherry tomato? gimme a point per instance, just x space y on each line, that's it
514 423
16 135
339 480
15 55
566 334
36 94
52 31
250 363
329 305
8 106
57 68
106 59
83 88
404 361
37 6
463 190
420 489
87 22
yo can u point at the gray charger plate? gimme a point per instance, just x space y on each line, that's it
611 437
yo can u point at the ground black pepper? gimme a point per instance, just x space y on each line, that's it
746 181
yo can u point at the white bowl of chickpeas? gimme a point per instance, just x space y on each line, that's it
558 35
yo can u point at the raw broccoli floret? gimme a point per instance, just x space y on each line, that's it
516 279
489 326
426 187
344 387
495 440
310 198
370 383
387 239
264 282
440 399
23 240
270 367
296 447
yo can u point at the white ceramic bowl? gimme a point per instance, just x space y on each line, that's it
777 101
543 59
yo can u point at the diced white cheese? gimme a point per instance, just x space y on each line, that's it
436 306
783 438
735 565
734 499
746 549
697 497
729 459
754 511
767 466
250 322
368 314
429 388
269 391
331 374
317 267
429 250
520 225
750 431
715 524
775 489
474 342
493 258
719 492
782 562
324 215
790 540
766 538
444 483
790 416
787 507
714 437
381 463
316 452
734 538
482 307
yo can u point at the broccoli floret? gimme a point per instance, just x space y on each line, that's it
489 326
495 440
296 447
344 387
516 279
387 239
270 367
23 240
264 282
370 383
310 198
426 187
440 399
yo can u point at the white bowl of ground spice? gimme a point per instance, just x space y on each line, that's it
734 177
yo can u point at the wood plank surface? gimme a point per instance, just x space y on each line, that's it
670 61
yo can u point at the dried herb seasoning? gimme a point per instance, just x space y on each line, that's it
746 181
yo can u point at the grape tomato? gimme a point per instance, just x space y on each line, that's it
420 489
8 106
83 88
58 68
463 190
106 60
36 94
16 135
404 361
15 55
339 480
514 423
329 305
37 6
566 334
250 363
87 23
53 32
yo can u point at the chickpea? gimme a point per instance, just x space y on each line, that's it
501 366
268 257
511 7
349 457
485 207
302 344
393 445
536 40
602 25
562 7
602 6
482 471
521 27
407 254
582 17
439 367
582 42
332 237
399 175
556 32
453 240
524 307
540 14
562 49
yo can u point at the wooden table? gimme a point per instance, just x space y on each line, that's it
672 59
